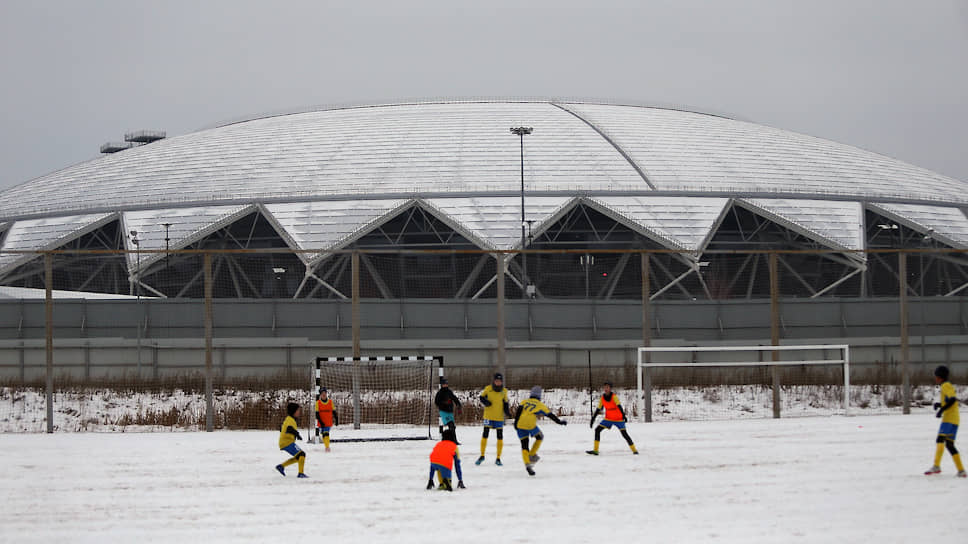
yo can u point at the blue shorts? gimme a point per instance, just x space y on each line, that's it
494 423
292 449
324 429
608 424
948 430
446 418
522 433
444 471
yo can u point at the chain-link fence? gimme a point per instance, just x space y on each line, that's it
222 338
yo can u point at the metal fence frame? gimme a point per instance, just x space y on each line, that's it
501 258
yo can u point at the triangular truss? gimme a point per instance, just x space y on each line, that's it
835 224
45 234
948 225
184 226
674 222
495 222
330 225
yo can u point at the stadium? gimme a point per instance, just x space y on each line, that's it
206 281
448 175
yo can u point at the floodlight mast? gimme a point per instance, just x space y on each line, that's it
137 286
521 132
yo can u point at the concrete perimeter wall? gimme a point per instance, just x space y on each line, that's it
553 339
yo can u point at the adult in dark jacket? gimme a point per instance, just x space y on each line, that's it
447 404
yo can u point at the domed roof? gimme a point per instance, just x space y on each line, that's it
464 148
642 164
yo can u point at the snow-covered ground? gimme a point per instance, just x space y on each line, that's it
821 479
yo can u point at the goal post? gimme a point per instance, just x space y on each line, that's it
385 398
723 366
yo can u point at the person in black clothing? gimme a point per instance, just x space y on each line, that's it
447 404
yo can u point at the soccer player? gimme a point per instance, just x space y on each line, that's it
444 456
326 416
496 410
948 412
287 440
614 417
447 403
526 423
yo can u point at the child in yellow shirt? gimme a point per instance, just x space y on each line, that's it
948 412
287 440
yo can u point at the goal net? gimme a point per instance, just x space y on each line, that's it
378 398
731 382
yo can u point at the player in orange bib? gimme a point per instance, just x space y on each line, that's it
326 416
444 456
614 417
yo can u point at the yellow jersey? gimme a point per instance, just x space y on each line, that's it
286 438
495 412
950 415
530 410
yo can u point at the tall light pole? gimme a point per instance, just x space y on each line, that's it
137 287
926 241
521 132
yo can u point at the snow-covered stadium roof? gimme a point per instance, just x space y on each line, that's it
325 177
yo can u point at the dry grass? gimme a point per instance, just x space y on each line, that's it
178 402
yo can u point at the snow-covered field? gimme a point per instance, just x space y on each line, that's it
821 479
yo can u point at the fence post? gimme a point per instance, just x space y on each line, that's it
209 408
355 294
775 330
355 301
646 387
905 344
501 354
23 347
49 324
154 361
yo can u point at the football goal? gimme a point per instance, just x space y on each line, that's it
378 398
728 382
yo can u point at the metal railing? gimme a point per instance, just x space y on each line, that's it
450 299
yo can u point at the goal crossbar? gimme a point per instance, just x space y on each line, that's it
748 363
431 360
644 396
784 347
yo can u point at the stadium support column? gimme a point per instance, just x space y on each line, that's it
49 324
905 344
355 294
775 330
646 336
501 354
209 408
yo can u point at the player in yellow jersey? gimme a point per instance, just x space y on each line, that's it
948 412
287 440
496 410
526 423
614 417
326 416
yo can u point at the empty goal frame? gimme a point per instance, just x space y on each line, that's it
384 398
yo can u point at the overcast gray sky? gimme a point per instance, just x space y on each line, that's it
888 76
